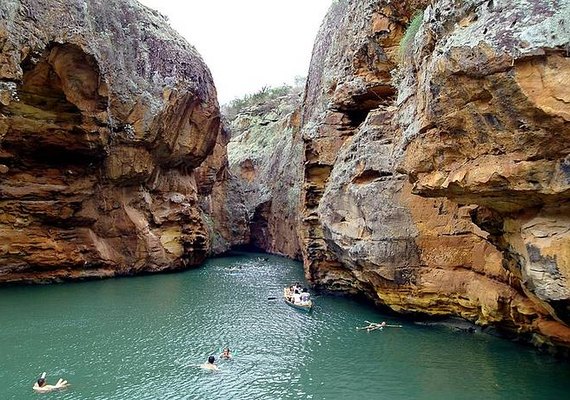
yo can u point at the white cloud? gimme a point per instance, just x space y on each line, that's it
248 44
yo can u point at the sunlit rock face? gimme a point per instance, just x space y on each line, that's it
435 176
355 234
105 114
266 156
488 124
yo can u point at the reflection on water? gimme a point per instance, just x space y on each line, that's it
145 338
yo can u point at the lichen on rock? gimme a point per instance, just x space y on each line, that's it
265 156
105 114
442 192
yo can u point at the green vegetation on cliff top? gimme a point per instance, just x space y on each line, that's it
266 96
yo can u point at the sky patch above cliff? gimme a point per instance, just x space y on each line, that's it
248 44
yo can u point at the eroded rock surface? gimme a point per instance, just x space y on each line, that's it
433 178
487 121
478 123
266 156
105 114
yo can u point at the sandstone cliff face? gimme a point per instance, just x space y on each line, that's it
105 114
488 123
222 199
266 156
479 123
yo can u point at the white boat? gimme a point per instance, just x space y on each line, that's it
305 305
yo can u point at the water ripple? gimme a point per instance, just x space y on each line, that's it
146 337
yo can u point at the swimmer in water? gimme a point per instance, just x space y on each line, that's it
42 386
226 355
210 364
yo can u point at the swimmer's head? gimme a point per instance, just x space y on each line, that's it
211 359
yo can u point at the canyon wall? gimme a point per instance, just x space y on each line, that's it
426 166
110 145
266 157
435 165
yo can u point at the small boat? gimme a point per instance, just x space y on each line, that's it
305 305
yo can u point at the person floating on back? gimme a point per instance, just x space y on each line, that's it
42 386
210 364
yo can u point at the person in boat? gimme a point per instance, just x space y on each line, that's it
305 296
226 355
42 386
210 364
296 299
292 289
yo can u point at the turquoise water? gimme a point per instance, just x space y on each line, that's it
145 337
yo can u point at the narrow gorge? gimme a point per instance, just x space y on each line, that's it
424 165
430 148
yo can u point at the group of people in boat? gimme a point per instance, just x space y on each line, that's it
298 294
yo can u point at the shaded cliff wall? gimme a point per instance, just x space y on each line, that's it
470 113
266 156
105 114
222 199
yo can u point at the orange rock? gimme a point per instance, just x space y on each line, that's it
101 134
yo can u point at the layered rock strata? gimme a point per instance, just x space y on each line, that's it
478 123
105 114
222 199
486 120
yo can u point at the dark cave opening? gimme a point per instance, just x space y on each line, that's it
260 236
54 122
357 116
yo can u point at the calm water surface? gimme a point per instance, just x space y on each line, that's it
144 338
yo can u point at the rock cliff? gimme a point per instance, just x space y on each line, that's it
427 165
435 174
266 157
106 114
485 118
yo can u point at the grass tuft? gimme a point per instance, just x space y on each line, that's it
411 31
